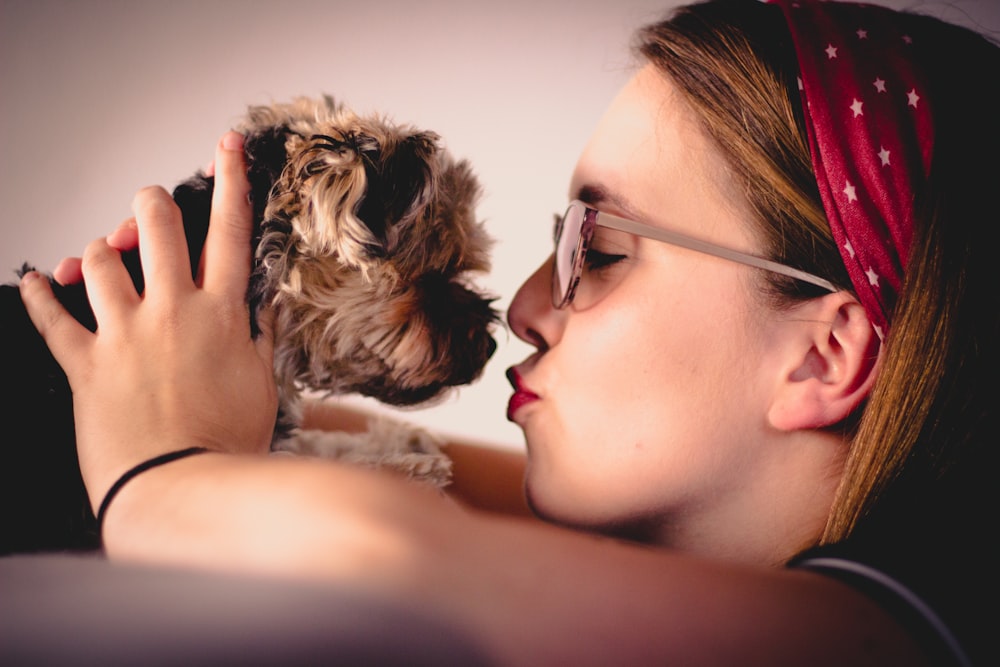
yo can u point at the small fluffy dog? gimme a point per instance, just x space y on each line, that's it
365 247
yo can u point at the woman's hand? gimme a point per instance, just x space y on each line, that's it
174 367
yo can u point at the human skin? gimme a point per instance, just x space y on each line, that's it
526 591
657 395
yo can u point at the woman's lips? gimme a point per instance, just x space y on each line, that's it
521 395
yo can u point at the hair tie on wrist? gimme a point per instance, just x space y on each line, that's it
129 474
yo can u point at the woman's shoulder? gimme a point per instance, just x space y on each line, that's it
934 582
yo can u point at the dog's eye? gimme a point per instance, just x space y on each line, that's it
327 142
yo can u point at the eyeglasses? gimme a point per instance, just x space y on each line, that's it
575 231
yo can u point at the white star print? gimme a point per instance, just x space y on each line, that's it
872 276
847 144
851 192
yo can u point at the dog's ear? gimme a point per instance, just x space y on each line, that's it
351 193
318 195
399 184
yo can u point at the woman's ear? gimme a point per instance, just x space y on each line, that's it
831 366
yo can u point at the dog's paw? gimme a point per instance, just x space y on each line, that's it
386 445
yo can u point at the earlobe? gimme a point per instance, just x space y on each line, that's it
835 363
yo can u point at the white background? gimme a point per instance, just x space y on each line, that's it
101 97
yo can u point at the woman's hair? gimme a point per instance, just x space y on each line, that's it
922 437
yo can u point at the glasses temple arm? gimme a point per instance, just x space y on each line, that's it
673 238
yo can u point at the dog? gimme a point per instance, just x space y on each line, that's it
365 248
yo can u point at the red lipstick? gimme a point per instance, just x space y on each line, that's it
521 395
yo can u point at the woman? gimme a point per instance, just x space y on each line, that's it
734 414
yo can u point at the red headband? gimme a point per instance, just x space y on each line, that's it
870 135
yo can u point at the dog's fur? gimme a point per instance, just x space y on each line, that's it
365 243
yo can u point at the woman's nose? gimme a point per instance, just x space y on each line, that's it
531 315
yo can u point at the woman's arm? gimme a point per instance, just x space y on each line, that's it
488 478
527 592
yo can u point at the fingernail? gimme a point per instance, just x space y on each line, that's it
29 276
232 141
126 225
129 223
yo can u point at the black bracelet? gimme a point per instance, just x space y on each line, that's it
142 467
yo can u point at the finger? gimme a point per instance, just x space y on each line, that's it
126 237
225 267
62 333
109 287
68 271
162 243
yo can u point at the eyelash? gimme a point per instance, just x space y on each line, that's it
596 260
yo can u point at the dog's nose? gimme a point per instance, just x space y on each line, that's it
472 358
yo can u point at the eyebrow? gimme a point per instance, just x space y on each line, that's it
592 194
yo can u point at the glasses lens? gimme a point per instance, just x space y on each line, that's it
569 247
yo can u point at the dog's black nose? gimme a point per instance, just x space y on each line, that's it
470 358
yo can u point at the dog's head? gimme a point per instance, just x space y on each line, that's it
370 242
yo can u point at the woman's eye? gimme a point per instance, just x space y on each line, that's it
596 260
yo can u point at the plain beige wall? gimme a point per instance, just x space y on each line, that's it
101 97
